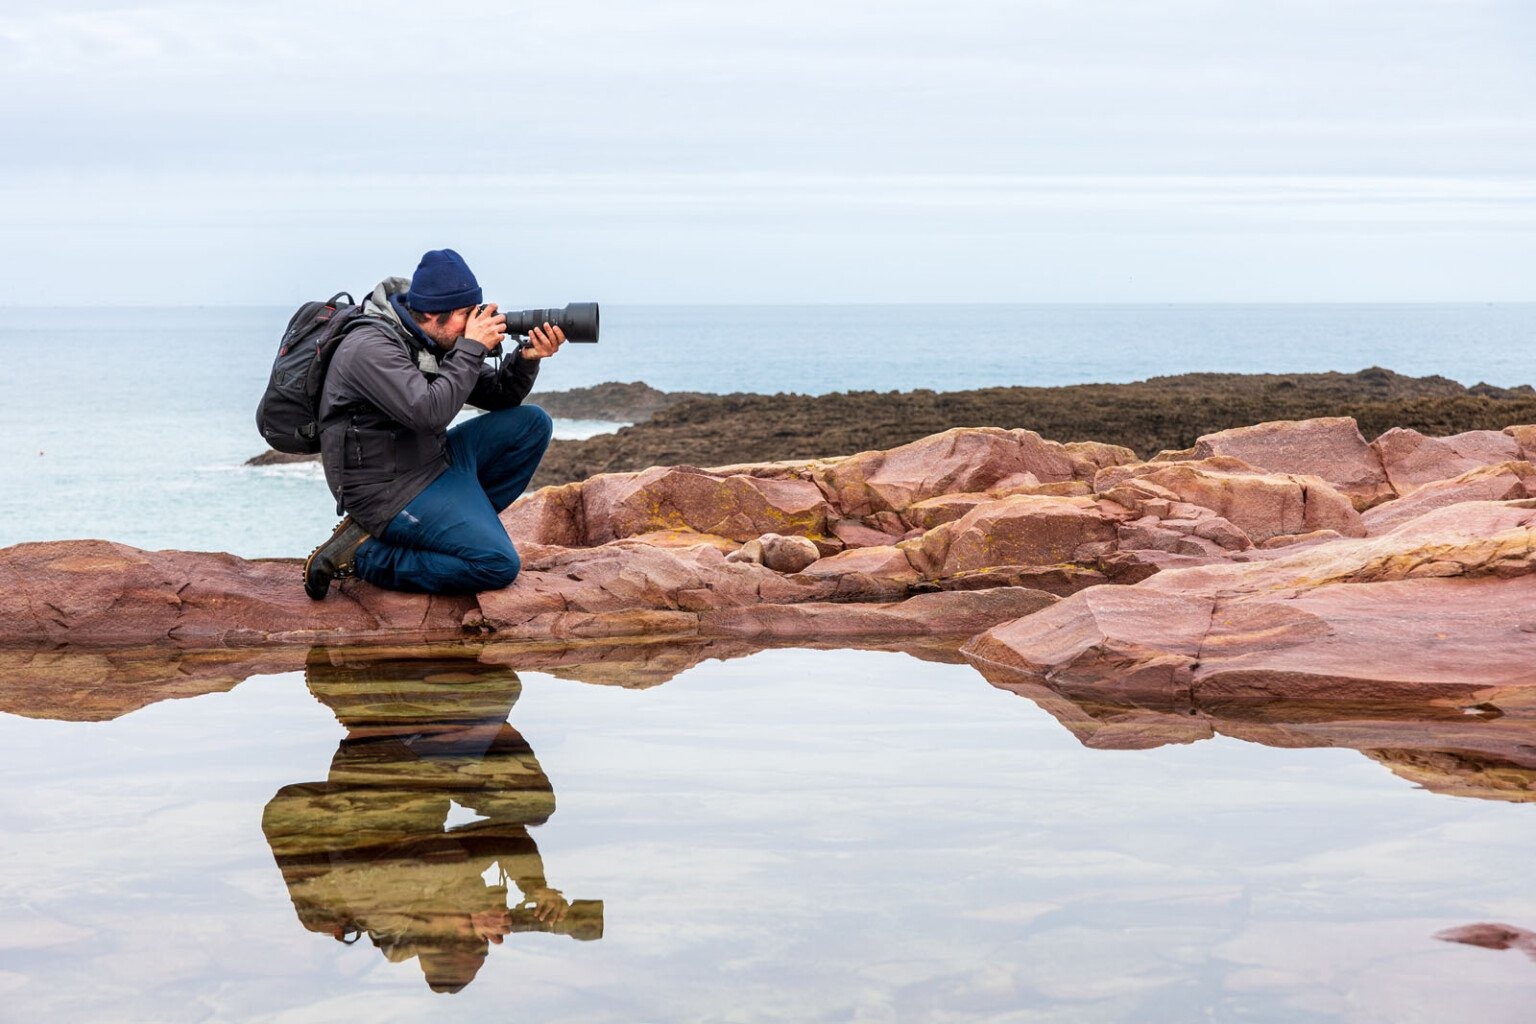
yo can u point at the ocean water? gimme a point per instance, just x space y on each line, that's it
133 424
790 835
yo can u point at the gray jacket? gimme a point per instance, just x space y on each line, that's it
389 397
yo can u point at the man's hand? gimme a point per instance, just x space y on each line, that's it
543 342
486 326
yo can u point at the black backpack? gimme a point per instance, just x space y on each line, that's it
288 414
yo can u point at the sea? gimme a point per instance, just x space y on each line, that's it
792 835
135 424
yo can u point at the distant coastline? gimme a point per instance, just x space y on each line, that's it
690 428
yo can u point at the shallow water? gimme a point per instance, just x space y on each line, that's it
791 835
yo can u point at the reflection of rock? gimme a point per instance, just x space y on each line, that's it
1492 936
370 850
99 685
1470 741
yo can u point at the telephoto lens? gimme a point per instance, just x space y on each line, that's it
578 320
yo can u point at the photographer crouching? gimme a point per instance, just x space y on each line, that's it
422 500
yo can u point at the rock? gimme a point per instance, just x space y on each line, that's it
739 507
953 613
1286 540
1262 505
1412 460
855 534
550 515
96 593
1501 482
1329 447
957 461
1024 530
781 554
272 457
866 574
633 402
1524 435
1434 608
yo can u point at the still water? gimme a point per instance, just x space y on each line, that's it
656 834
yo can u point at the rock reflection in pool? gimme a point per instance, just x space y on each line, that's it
372 851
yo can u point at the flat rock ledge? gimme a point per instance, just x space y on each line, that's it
1284 555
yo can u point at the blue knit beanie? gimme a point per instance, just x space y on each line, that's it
442 282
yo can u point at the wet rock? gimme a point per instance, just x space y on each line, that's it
1262 505
1328 447
1412 459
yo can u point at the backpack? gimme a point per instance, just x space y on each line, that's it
288 414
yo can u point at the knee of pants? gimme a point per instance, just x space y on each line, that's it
544 425
496 569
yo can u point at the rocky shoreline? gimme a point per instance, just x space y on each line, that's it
1290 559
683 428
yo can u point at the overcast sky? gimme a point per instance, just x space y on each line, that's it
969 150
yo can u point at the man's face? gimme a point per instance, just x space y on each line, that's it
449 329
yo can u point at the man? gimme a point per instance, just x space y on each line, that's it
423 500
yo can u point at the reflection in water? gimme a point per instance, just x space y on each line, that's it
1493 936
377 849
1481 745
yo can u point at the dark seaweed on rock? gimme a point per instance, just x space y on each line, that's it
1146 416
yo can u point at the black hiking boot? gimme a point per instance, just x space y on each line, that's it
334 559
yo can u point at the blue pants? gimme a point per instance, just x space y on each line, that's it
448 540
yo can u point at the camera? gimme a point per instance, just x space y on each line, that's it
579 320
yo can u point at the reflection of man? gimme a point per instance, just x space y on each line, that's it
371 851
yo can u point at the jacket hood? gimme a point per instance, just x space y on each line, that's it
378 304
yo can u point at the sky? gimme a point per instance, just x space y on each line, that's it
718 152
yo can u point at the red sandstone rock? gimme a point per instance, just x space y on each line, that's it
1329 447
1524 435
1440 606
1501 482
739 507
1024 530
957 461
866 574
1412 460
779 553
956 613
98 593
1262 505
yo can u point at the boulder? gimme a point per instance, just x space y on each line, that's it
550 515
1439 606
781 554
1331 448
1502 482
96 593
1411 459
1023 530
739 506
1262 505
958 461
